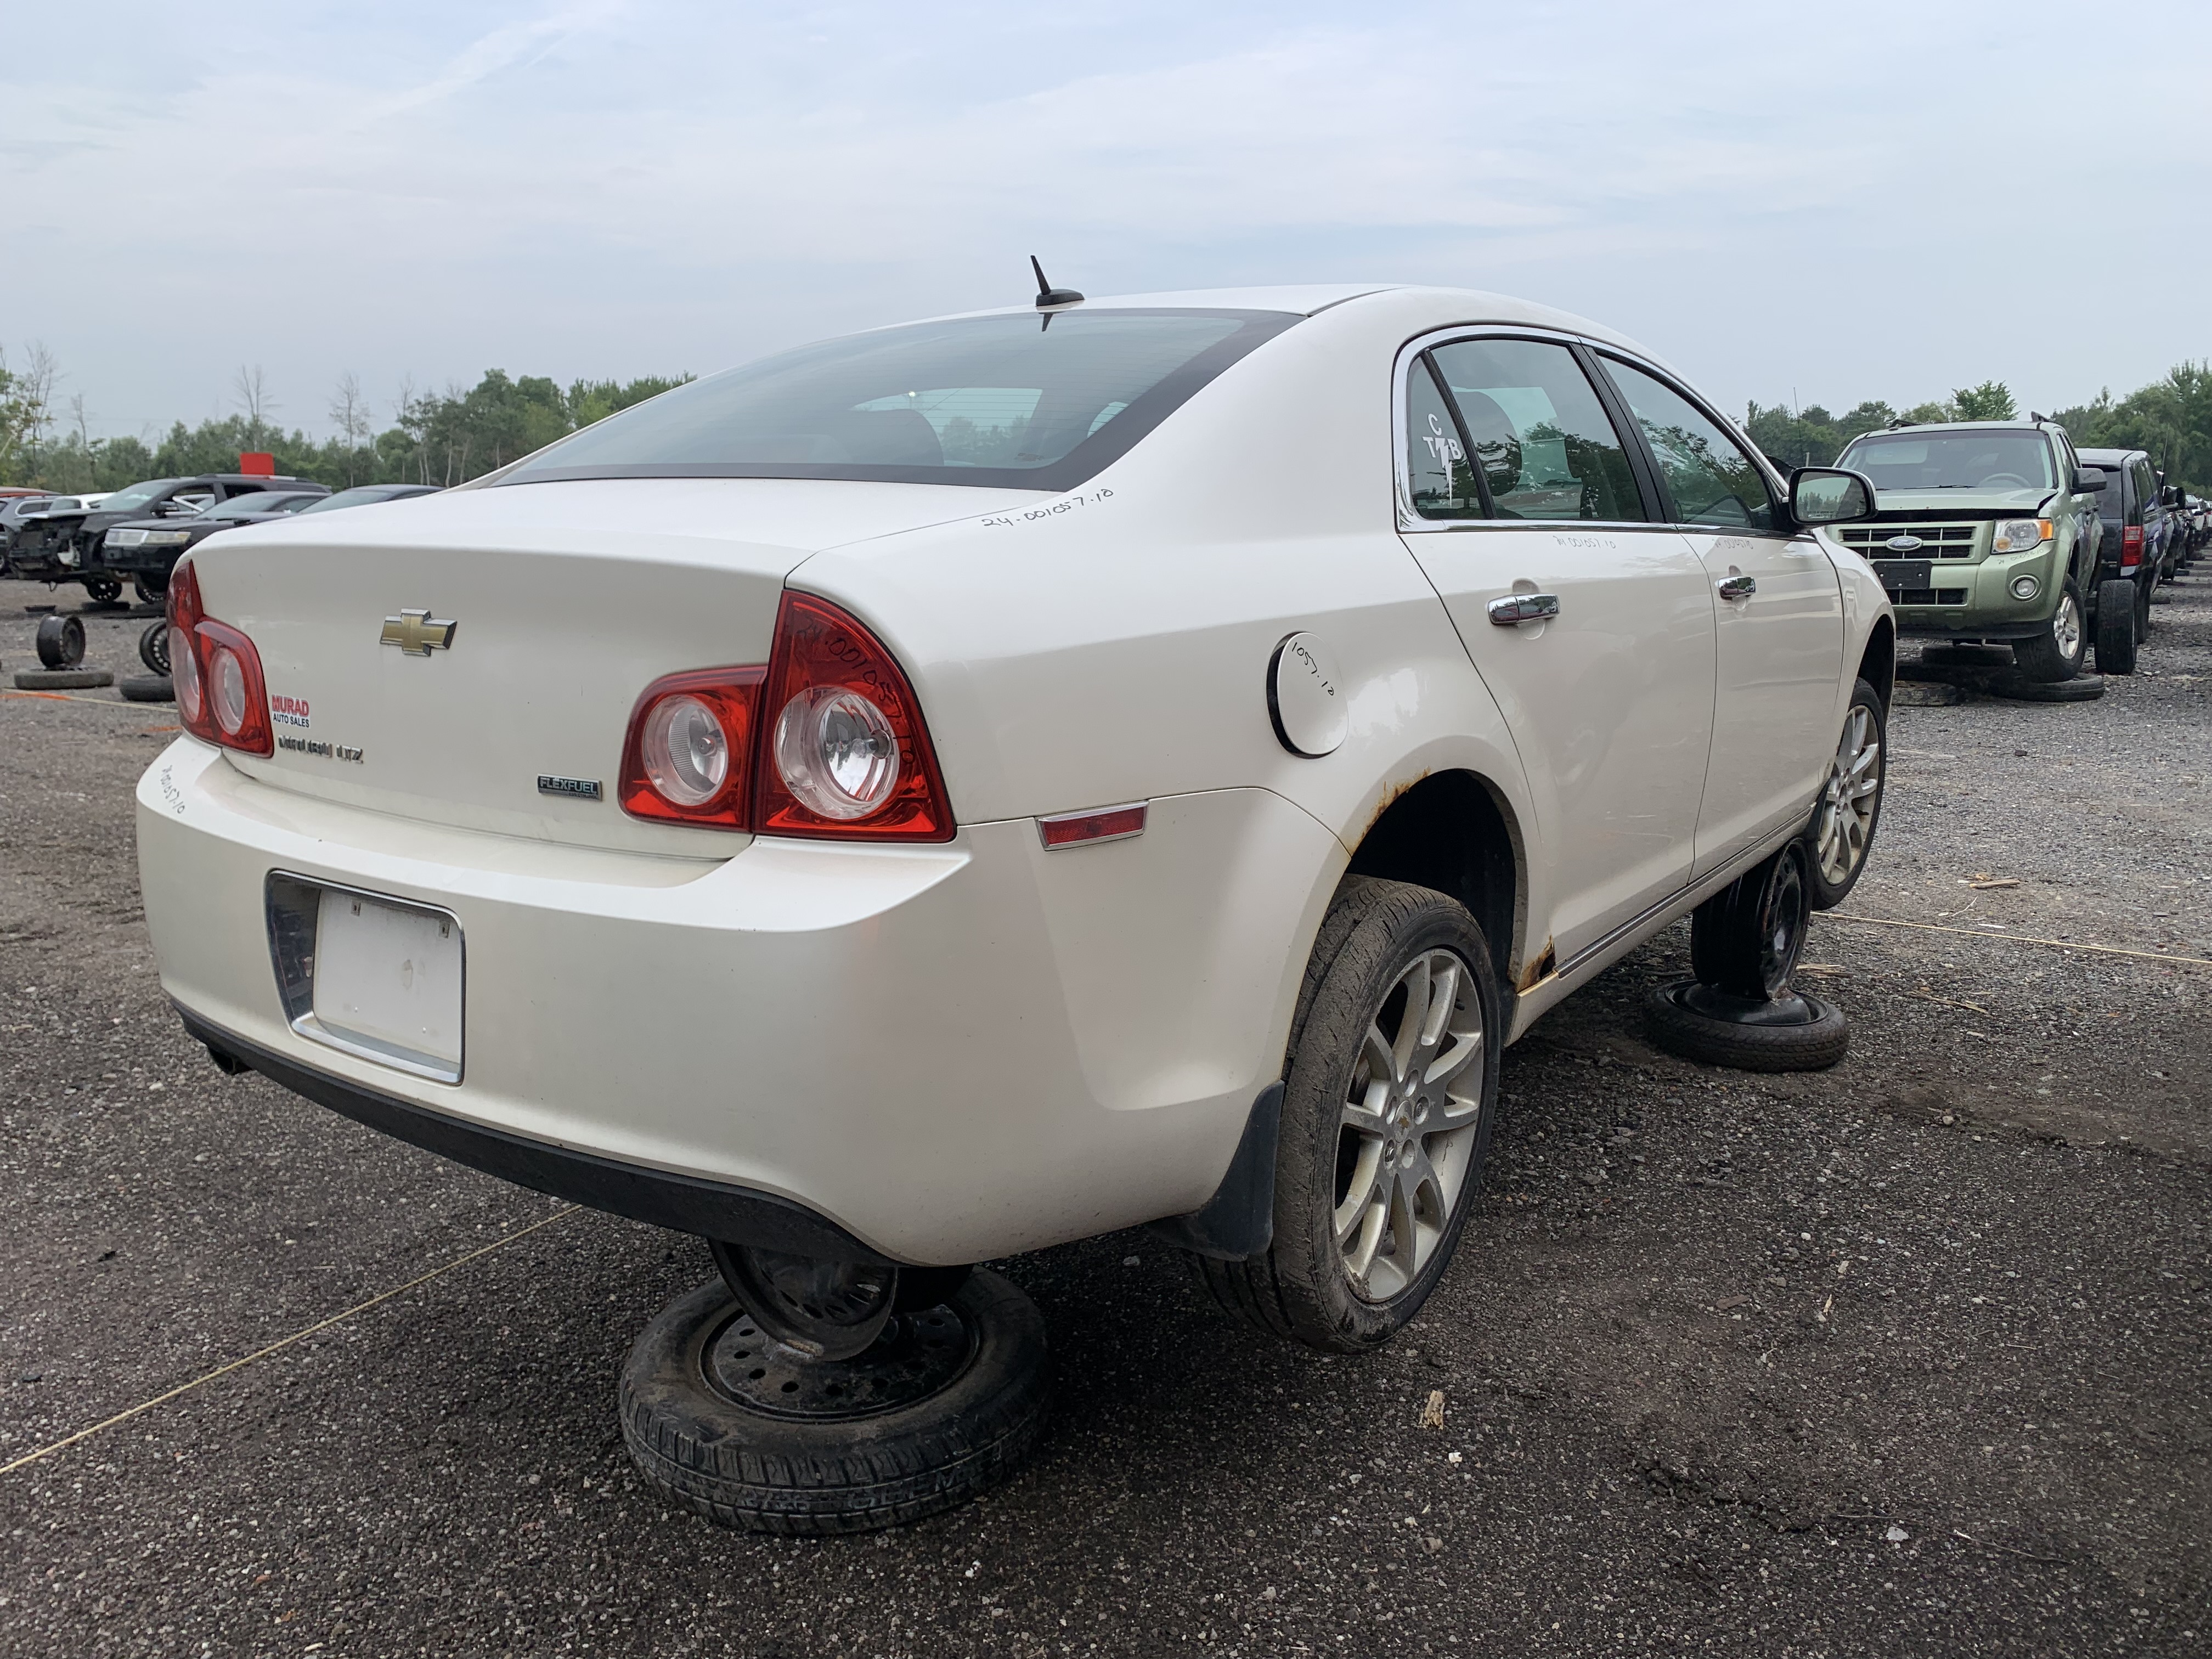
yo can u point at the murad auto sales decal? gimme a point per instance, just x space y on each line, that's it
289 711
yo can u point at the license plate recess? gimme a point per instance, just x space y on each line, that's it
1899 575
369 973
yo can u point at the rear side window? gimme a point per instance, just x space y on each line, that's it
1546 446
1027 402
1708 478
1441 476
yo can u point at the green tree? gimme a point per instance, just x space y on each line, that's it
1989 401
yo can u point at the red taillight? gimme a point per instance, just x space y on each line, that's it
689 755
221 696
844 750
2131 547
826 740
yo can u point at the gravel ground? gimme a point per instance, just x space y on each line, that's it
1908 1357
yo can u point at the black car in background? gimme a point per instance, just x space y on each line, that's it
147 550
2133 555
366 494
63 548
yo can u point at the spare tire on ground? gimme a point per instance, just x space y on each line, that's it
1792 1033
154 647
149 687
731 1425
62 679
61 641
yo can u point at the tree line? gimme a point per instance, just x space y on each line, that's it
436 438
2170 419
450 437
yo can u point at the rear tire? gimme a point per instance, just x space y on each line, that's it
2116 627
828 1470
1381 1151
1746 938
2056 653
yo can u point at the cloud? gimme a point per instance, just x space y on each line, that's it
612 188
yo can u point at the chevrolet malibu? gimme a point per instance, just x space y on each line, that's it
992 781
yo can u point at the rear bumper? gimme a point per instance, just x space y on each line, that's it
939 1054
688 1204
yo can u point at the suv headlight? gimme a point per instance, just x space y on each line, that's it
2019 535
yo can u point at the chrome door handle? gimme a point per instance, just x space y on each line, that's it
1737 587
1516 608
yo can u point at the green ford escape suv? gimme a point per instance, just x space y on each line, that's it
1984 530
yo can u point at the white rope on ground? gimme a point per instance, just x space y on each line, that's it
286 1342
2017 938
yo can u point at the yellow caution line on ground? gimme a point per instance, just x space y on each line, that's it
2020 939
263 1354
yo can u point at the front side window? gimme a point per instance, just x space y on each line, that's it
1974 457
137 496
1708 477
1439 476
1544 442
1025 402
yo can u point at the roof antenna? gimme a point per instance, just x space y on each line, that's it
1047 296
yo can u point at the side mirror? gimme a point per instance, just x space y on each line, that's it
1830 495
170 510
2085 485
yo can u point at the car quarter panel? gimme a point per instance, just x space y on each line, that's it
1113 644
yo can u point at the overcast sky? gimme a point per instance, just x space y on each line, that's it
1870 200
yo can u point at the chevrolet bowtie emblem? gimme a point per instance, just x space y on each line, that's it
416 634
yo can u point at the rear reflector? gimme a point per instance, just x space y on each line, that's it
1078 829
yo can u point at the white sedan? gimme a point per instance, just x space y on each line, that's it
991 781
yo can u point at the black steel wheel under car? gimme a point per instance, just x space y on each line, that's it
1386 1116
1740 1011
728 1422
103 590
2056 653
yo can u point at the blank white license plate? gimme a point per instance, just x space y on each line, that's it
389 976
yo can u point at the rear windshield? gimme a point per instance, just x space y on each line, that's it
1977 458
2111 500
1035 402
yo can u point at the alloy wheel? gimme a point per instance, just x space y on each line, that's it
1847 805
2066 628
1407 1131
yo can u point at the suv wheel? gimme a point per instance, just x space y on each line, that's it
2116 627
1850 807
1387 1109
2056 653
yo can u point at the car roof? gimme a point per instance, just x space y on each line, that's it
2111 456
1472 306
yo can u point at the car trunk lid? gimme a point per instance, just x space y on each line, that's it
563 602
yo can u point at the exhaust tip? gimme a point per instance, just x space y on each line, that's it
225 1062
